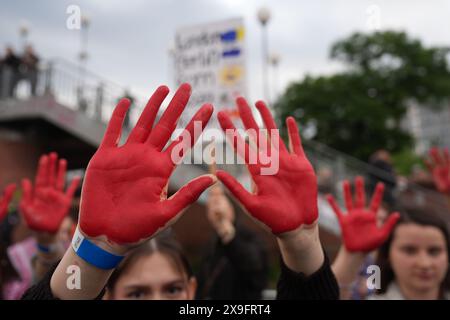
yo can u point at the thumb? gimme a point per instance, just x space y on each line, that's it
188 194
238 191
386 229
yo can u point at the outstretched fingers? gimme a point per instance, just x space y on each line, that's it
270 124
114 128
73 186
335 207
377 197
144 125
191 133
360 201
386 229
163 129
295 141
348 195
239 144
42 174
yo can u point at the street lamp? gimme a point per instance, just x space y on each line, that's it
274 61
264 17
24 30
82 57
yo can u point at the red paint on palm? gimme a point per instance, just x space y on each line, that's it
124 195
6 199
287 199
45 205
438 164
360 232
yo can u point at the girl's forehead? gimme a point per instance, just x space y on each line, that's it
418 234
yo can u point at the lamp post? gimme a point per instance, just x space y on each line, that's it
264 17
274 61
24 30
82 57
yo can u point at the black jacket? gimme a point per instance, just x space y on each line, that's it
237 270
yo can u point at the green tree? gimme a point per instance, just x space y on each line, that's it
360 110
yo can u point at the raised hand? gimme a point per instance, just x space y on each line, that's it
438 164
6 199
360 232
285 199
220 213
45 206
124 196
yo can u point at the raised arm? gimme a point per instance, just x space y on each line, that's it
360 231
44 207
285 197
124 196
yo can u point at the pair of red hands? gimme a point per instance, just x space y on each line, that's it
45 205
124 196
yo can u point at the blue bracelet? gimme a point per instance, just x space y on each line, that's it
93 254
43 248
47 249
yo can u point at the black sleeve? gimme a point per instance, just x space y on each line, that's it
42 290
246 252
321 285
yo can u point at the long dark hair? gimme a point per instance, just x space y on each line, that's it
164 244
420 216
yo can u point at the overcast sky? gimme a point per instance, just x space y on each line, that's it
129 40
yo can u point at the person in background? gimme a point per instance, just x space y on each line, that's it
10 69
237 266
414 261
29 68
384 172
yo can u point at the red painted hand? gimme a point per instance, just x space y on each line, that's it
45 207
124 196
439 166
6 199
286 198
360 232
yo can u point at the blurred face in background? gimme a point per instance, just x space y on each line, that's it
153 277
419 258
66 231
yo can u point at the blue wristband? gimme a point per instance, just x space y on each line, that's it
43 248
47 249
93 254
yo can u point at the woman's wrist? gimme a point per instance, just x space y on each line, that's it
301 249
97 252
346 266
74 278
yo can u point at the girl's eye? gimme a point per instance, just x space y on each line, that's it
138 294
174 290
434 251
409 250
